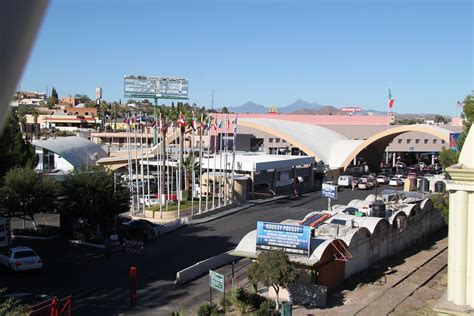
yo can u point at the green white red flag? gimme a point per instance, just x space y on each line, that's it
391 100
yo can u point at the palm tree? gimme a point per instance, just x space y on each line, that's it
189 166
35 118
103 108
115 110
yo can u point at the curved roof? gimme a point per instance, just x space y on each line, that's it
322 143
371 223
335 149
77 151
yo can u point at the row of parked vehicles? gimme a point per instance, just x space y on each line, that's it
367 182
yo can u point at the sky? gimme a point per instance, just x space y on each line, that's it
338 52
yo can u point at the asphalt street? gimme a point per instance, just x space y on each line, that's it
100 286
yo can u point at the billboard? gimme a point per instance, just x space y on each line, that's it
453 141
329 191
155 87
351 109
294 239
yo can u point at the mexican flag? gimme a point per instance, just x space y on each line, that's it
181 121
390 99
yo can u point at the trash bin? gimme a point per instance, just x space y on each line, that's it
440 186
424 185
286 308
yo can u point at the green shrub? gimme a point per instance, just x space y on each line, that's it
208 310
441 202
42 231
180 312
242 300
267 307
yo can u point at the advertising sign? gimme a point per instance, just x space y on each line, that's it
216 280
453 141
155 87
329 191
351 109
294 239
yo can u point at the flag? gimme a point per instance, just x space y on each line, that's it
220 123
208 123
214 119
203 124
126 120
132 121
153 125
390 99
235 123
181 121
193 123
161 123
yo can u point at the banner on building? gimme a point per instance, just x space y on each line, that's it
453 141
155 87
293 239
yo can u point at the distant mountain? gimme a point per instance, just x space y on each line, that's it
323 110
299 105
249 107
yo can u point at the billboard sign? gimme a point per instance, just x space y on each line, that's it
216 280
351 109
453 141
329 191
294 239
155 87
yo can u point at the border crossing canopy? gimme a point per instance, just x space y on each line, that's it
155 87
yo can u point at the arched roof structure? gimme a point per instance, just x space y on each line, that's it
335 149
77 151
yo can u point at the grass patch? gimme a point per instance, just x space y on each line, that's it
173 206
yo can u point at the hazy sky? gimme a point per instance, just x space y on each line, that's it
340 53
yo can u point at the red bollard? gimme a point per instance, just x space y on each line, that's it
54 307
133 286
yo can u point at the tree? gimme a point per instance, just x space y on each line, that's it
115 110
15 151
96 194
54 93
447 157
53 99
273 268
225 110
468 118
439 119
26 193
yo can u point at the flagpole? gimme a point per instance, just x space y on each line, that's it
226 145
136 166
192 167
160 193
129 154
147 161
179 169
200 166
208 157
233 159
141 160
214 161
220 163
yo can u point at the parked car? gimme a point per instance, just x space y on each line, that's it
333 183
382 179
365 183
396 181
21 258
143 228
345 181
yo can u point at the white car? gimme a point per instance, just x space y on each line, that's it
21 258
395 182
382 179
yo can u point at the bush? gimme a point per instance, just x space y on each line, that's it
267 307
208 310
43 231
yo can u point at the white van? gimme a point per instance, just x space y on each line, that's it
345 181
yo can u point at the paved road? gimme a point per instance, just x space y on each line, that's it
100 286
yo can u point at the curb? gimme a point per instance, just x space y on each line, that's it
83 243
35 237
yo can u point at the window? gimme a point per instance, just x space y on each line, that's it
426 140
408 140
417 141
442 141
400 141
435 141
277 140
270 140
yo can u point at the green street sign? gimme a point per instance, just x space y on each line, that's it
216 280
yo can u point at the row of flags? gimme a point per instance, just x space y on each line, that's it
205 123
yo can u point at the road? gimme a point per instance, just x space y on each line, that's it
100 286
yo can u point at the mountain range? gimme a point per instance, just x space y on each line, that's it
298 107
